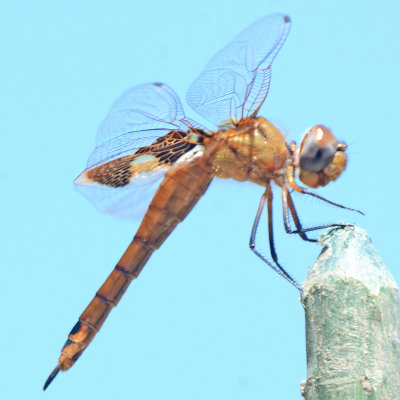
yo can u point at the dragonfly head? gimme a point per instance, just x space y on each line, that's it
321 157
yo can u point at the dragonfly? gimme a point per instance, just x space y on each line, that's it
148 148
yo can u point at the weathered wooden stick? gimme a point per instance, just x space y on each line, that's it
352 322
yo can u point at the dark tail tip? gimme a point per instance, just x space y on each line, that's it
56 370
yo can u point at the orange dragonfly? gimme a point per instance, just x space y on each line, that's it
146 141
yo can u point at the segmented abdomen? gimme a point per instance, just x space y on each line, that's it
179 191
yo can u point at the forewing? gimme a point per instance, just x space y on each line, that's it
136 119
235 83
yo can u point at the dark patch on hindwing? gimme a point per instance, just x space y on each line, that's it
163 152
168 148
115 173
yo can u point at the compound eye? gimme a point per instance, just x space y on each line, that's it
317 149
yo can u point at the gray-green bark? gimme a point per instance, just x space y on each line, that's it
352 322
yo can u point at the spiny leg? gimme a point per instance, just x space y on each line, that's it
287 204
267 196
293 185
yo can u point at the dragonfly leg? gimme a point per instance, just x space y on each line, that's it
288 205
267 197
293 185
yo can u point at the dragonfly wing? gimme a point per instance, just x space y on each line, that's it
125 186
144 134
136 119
235 82
129 201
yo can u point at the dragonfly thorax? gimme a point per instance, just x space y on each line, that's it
254 150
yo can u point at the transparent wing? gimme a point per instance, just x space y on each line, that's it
235 83
125 186
130 201
143 135
137 118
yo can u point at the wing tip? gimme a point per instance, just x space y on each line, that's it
82 179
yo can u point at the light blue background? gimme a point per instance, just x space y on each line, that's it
206 319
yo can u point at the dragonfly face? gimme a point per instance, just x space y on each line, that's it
321 157
147 146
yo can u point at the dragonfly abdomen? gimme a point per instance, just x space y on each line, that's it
179 191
